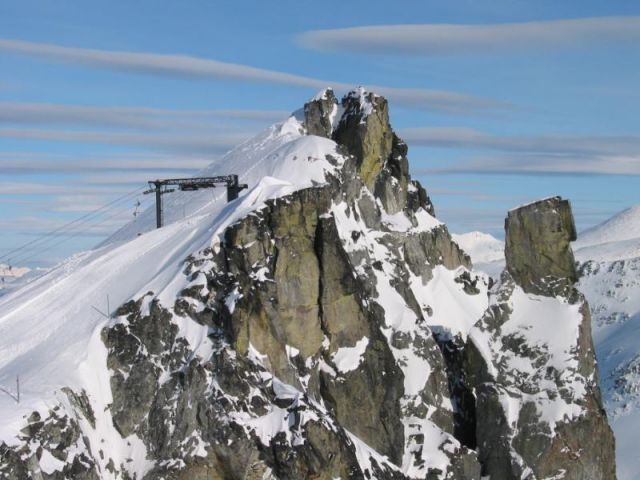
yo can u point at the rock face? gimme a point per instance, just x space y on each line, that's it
537 247
319 114
531 360
327 334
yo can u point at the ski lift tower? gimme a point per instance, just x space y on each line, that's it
161 187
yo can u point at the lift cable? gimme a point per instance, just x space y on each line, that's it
77 222
71 235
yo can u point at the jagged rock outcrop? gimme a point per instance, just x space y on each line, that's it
537 247
319 114
363 128
531 360
322 334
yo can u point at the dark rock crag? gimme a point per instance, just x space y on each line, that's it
537 247
289 289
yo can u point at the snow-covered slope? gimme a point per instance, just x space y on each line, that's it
482 247
623 226
281 152
609 255
486 251
313 328
46 326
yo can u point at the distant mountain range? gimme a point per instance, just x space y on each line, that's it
7 271
13 277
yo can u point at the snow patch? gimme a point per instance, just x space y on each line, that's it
347 359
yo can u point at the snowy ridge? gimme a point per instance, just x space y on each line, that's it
609 255
486 251
481 247
299 330
52 340
44 330
282 152
623 226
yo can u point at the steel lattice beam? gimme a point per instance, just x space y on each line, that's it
159 187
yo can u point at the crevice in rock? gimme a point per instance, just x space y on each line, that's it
462 397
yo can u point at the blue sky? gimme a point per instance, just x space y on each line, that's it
501 102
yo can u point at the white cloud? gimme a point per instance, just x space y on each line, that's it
535 154
451 39
137 178
127 117
31 188
545 165
468 138
194 67
17 163
161 142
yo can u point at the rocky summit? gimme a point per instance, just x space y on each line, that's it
324 325
531 359
537 246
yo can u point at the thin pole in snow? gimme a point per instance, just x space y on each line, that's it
105 315
100 312
15 396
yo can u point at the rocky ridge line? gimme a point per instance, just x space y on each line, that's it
326 353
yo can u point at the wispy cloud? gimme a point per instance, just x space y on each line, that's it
467 219
33 188
195 67
36 226
536 154
452 39
198 144
137 178
468 138
544 165
25 163
126 117
91 203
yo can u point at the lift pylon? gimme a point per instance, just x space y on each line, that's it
160 187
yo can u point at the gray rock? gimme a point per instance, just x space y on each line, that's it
286 290
537 246
318 114
521 391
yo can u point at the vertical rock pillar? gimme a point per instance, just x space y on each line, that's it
531 362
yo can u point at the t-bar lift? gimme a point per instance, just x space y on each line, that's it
160 187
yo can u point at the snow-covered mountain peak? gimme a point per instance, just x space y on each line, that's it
324 94
481 247
282 152
623 226
360 101
315 327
